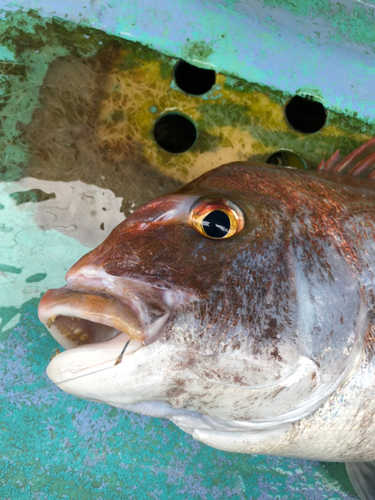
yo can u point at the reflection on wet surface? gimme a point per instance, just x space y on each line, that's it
83 212
65 137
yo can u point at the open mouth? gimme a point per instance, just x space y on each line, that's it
79 317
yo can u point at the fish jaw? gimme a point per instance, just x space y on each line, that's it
176 377
149 379
139 383
94 307
75 318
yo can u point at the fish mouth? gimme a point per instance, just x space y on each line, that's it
77 316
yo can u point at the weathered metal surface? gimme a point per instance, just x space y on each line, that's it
323 48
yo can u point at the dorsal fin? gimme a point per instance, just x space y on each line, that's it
359 163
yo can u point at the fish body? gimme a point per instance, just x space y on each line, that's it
253 331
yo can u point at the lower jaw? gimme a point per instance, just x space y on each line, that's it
111 352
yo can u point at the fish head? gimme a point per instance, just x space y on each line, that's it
235 306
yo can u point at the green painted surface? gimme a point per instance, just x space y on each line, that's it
348 21
53 445
292 46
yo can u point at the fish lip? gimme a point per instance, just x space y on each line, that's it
110 350
55 304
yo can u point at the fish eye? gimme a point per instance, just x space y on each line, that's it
216 219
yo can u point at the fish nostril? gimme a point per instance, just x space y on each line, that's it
305 114
193 80
286 158
175 133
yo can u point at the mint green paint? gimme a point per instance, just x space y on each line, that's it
35 278
10 269
287 46
347 22
196 51
10 324
311 91
39 252
283 45
54 445
6 54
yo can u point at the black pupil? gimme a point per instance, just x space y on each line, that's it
216 224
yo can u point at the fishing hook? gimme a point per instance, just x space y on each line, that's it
119 359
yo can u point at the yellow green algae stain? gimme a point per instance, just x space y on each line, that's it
239 121
77 104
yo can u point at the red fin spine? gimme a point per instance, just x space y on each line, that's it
355 164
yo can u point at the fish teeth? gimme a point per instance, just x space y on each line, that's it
54 354
75 335
50 321
70 330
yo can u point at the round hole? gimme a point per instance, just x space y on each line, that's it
193 80
305 115
286 158
175 133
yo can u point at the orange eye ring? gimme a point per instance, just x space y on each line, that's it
216 219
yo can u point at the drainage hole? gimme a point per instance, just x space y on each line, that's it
175 133
193 80
286 158
305 115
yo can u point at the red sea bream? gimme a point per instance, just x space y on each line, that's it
248 301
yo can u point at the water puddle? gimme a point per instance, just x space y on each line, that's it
75 209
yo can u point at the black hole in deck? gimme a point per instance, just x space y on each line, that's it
216 224
285 158
175 133
305 115
193 80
